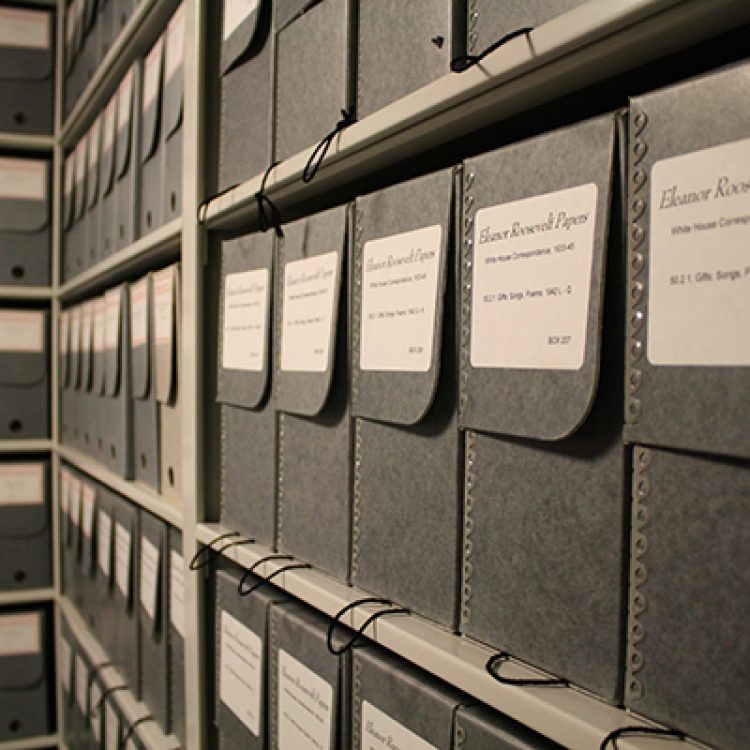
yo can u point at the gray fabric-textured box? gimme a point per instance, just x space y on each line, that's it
402 47
408 449
481 728
93 190
546 470
248 419
246 68
252 612
25 522
172 112
27 73
688 662
392 698
688 383
80 249
107 172
175 638
313 513
127 162
87 569
315 61
24 373
106 609
25 226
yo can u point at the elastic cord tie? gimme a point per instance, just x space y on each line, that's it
320 151
199 561
368 621
94 710
269 578
502 657
269 215
615 735
460 64
95 671
249 571
203 206
131 729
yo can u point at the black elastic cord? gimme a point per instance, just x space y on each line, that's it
269 216
131 729
615 735
249 571
352 605
269 578
94 674
503 657
203 206
460 64
208 550
320 151
94 710
359 633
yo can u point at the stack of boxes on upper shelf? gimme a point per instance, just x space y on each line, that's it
119 380
424 393
123 178
122 569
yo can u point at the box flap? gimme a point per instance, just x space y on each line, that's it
23 343
151 100
100 322
140 336
248 263
245 25
165 299
402 254
69 177
21 650
74 357
113 304
70 31
65 347
109 131
125 95
288 10
26 44
87 345
535 246
24 508
81 160
312 273
174 50
24 195
94 142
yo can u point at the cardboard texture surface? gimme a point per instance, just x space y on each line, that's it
544 520
408 463
127 167
480 728
172 112
690 672
176 654
700 408
152 153
313 515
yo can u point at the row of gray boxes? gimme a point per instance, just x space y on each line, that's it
123 570
119 380
494 393
123 179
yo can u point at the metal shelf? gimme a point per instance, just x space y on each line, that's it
594 41
25 446
148 732
26 292
136 492
160 245
143 27
26 596
27 142
49 740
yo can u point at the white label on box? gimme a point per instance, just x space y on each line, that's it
88 498
110 122
21 331
75 501
94 139
122 559
533 261
104 543
245 320
87 326
24 28
125 101
381 732
163 305
64 490
66 664
175 44
152 73
149 584
64 332
21 484
241 672
99 323
23 179
139 313
21 634
82 684
305 706
399 300
177 592
307 328
111 727
96 721
75 329
111 318
699 259
235 12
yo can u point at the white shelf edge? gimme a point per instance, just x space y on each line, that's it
136 492
26 446
47 740
27 142
148 249
8 292
144 25
148 732
569 716
590 43
27 596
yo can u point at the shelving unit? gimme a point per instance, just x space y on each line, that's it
26 292
27 142
25 446
27 596
31 744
